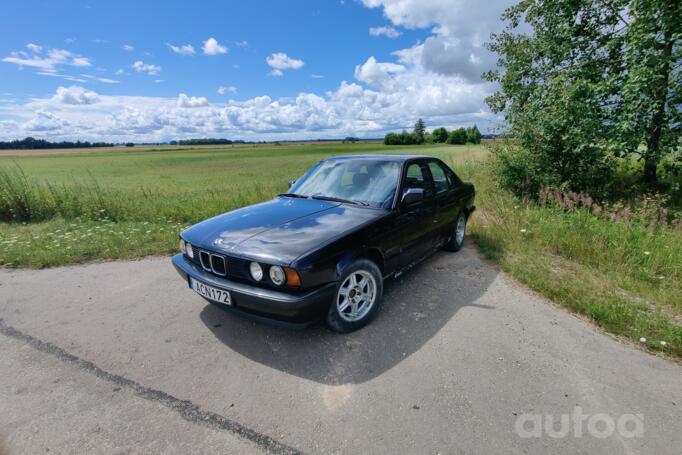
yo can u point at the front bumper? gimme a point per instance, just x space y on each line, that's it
293 310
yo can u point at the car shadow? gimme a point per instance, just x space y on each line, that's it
415 307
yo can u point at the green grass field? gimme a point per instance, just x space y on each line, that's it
117 203
78 206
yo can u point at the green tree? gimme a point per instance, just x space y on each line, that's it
391 139
419 131
594 78
440 135
473 135
651 91
407 138
458 136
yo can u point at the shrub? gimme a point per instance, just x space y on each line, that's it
518 170
407 138
563 145
473 135
440 135
391 139
458 136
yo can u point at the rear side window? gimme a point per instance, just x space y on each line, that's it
440 179
452 177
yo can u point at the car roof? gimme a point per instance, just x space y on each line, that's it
396 158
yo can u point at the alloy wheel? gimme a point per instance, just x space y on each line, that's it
356 296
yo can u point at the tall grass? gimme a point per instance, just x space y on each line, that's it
625 276
25 199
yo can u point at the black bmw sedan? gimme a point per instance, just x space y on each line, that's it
322 250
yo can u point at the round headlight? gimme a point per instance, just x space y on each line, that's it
277 275
190 251
256 271
183 246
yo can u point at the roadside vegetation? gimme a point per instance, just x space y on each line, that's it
584 197
622 272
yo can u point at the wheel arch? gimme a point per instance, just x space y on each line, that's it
372 253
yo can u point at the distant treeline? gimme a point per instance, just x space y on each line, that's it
420 136
31 143
207 141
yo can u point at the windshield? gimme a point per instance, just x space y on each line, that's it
366 182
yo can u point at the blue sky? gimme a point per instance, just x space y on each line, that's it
272 70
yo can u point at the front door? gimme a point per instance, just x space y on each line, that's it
416 221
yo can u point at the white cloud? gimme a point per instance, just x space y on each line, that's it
66 77
351 109
100 79
191 101
185 49
317 76
212 47
460 29
128 48
389 32
44 121
377 74
119 71
142 67
49 62
37 62
280 61
80 61
76 95
242 43
223 90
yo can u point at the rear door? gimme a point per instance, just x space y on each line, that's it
450 200
416 222
447 201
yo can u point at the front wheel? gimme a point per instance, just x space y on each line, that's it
459 232
357 297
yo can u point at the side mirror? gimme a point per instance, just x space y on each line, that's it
412 195
291 182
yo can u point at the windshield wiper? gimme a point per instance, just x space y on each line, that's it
293 195
338 199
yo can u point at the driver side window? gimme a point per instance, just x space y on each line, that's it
415 177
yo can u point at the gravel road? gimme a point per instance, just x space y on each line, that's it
122 357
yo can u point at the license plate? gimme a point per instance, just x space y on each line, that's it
215 294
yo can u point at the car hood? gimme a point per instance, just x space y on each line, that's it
280 230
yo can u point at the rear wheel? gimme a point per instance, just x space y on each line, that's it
357 297
458 234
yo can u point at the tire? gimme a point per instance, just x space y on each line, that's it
341 317
456 242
